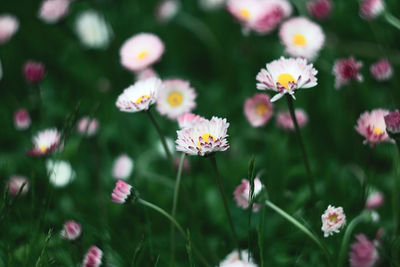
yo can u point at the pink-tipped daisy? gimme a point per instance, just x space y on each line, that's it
9 25
121 192
242 194
392 121
204 137
15 183
166 10
381 70
71 230
93 257
51 11
375 200
175 98
345 70
141 51
88 126
363 252
372 126
261 16
286 75
22 120
45 142
333 220
370 9
285 122
302 37
187 120
122 167
140 96
33 71
320 9
233 260
258 109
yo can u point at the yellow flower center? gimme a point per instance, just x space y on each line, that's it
245 13
142 54
299 40
175 99
284 79
43 148
377 130
333 218
142 98
205 137
261 109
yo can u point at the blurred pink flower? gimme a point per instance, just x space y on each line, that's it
363 252
145 74
187 120
141 51
204 137
93 257
51 11
9 25
261 16
284 120
166 10
320 9
374 200
392 122
121 192
71 230
33 71
123 166
88 126
15 183
45 142
333 220
301 37
22 120
372 126
286 76
345 70
186 164
233 260
370 9
242 194
175 98
258 109
381 70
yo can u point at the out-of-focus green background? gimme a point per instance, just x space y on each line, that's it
221 65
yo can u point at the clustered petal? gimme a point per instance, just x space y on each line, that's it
381 70
333 220
392 122
93 257
363 252
320 9
121 192
258 109
371 125
345 70
370 9
71 230
242 194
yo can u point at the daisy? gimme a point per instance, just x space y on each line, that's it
45 142
363 252
285 122
381 70
345 70
51 11
93 30
141 51
93 257
88 126
34 71
22 120
320 9
258 109
187 120
333 220
370 9
60 173
286 75
122 167
121 192
233 260
71 230
242 194
167 10
372 126
140 96
9 25
392 121
204 137
261 16
374 200
15 183
301 37
175 98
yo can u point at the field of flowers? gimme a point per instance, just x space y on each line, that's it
200 133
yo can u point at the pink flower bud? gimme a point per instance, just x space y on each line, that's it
93 257
15 183
123 167
242 194
258 109
345 70
88 130
392 121
370 9
188 119
284 120
52 11
363 252
71 230
9 25
320 9
22 119
381 70
33 71
121 192
186 164
374 200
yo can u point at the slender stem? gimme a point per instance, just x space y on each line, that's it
224 200
395 22
303 150
174 204
300 227
169 217
260 233
346 238
395 198
162 137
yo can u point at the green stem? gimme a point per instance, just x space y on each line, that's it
395 198
178 226
224 200
303 149
301 228
346 238
174 204
395 22
162 137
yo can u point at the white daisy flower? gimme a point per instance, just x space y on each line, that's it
61 172
140 96
286 75
302 37
333 220
175 98
204 137
233 260
45 142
